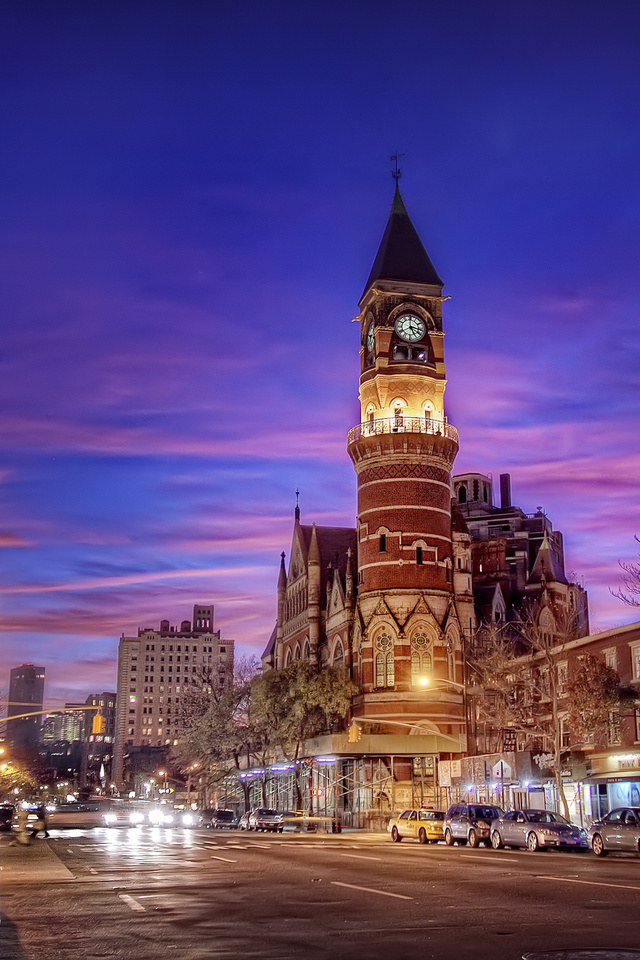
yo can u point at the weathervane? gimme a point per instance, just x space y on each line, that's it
397 172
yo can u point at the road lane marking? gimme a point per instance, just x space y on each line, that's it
471 856
359 856
383 893
91 870
224 858
591 883
132 904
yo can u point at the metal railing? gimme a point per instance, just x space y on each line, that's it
375 428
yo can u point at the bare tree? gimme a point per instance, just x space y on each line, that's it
629 593
519 679
214 729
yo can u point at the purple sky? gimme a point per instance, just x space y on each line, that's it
192 196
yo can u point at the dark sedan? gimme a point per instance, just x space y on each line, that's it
536 830
619 830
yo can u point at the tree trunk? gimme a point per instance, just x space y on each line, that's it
557 747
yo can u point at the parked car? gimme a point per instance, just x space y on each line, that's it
470 823
266 818
222 819
618 830
536 830
7 811
418 824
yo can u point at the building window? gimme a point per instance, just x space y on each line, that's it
610 657
421 666
418 555
383 542
613 728
635 660
385 663
462 494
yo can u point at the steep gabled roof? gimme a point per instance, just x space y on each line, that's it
333 544
548 565
271 645
401 255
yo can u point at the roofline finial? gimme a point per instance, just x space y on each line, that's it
396 173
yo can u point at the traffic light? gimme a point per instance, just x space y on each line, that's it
355 732
99 723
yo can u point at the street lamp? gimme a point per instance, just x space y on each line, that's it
426 682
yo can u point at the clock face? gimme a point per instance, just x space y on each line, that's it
370 338
410 328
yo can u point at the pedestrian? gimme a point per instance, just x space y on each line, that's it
40 823
23 834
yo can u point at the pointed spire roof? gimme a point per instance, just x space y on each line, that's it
548 566
401 255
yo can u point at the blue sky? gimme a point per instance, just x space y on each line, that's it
192 198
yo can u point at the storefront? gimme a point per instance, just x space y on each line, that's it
613 781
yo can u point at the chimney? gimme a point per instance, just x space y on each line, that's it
505 491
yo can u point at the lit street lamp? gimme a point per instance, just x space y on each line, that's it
427 681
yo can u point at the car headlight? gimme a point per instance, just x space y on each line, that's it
188 820
136 817
110 818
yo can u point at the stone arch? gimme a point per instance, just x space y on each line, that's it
288 657
306 649
296 652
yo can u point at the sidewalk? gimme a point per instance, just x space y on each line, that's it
36 863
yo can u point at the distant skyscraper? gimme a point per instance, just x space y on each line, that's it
26 695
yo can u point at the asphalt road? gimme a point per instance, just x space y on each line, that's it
149 893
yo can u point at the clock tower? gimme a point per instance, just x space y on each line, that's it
414 602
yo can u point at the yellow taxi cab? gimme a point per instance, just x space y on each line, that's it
422 824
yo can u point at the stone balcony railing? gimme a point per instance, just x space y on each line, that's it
375 428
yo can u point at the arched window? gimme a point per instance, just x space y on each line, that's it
338 654
306 650
296 652
384 661
462 493
421 664
288 658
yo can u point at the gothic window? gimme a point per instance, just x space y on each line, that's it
421 664
385 665
462 493
306 653
288 658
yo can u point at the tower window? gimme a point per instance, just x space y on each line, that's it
418 554
383 542
462 494
385 670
